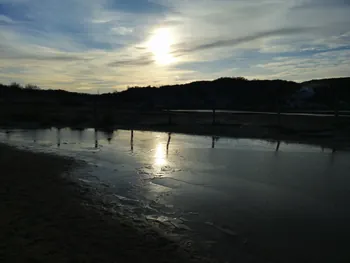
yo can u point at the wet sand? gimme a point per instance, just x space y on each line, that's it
43 219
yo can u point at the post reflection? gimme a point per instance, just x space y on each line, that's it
108 135
58 133
214 139
96 139
132 141
168 144
278 146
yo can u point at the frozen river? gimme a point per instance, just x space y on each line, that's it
238 199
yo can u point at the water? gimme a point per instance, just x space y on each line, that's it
313 113
238 199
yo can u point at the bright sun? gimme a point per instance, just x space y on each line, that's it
160 45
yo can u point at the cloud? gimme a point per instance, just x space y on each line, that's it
5 19
6 54
242 40
137 6
322 3
142 61
318 65
90 44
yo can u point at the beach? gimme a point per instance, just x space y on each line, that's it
135 195
44 219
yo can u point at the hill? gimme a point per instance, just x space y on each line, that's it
328 91
223 93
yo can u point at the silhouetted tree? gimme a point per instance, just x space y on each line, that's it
15 85
31 87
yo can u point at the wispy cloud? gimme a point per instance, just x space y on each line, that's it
141 61
241 40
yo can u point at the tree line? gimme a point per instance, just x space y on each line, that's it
224 93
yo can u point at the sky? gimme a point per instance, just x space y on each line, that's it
109 45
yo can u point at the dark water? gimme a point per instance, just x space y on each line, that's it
313 113
240 200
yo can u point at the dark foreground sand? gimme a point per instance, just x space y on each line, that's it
42 219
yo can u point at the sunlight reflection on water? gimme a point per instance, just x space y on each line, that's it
160 156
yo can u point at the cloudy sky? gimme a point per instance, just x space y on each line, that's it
106 45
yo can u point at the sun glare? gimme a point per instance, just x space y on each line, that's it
160 45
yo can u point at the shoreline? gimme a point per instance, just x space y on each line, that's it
44 219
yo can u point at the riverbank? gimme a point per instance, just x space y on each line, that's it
43 219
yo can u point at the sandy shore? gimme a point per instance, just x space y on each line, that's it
42 219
